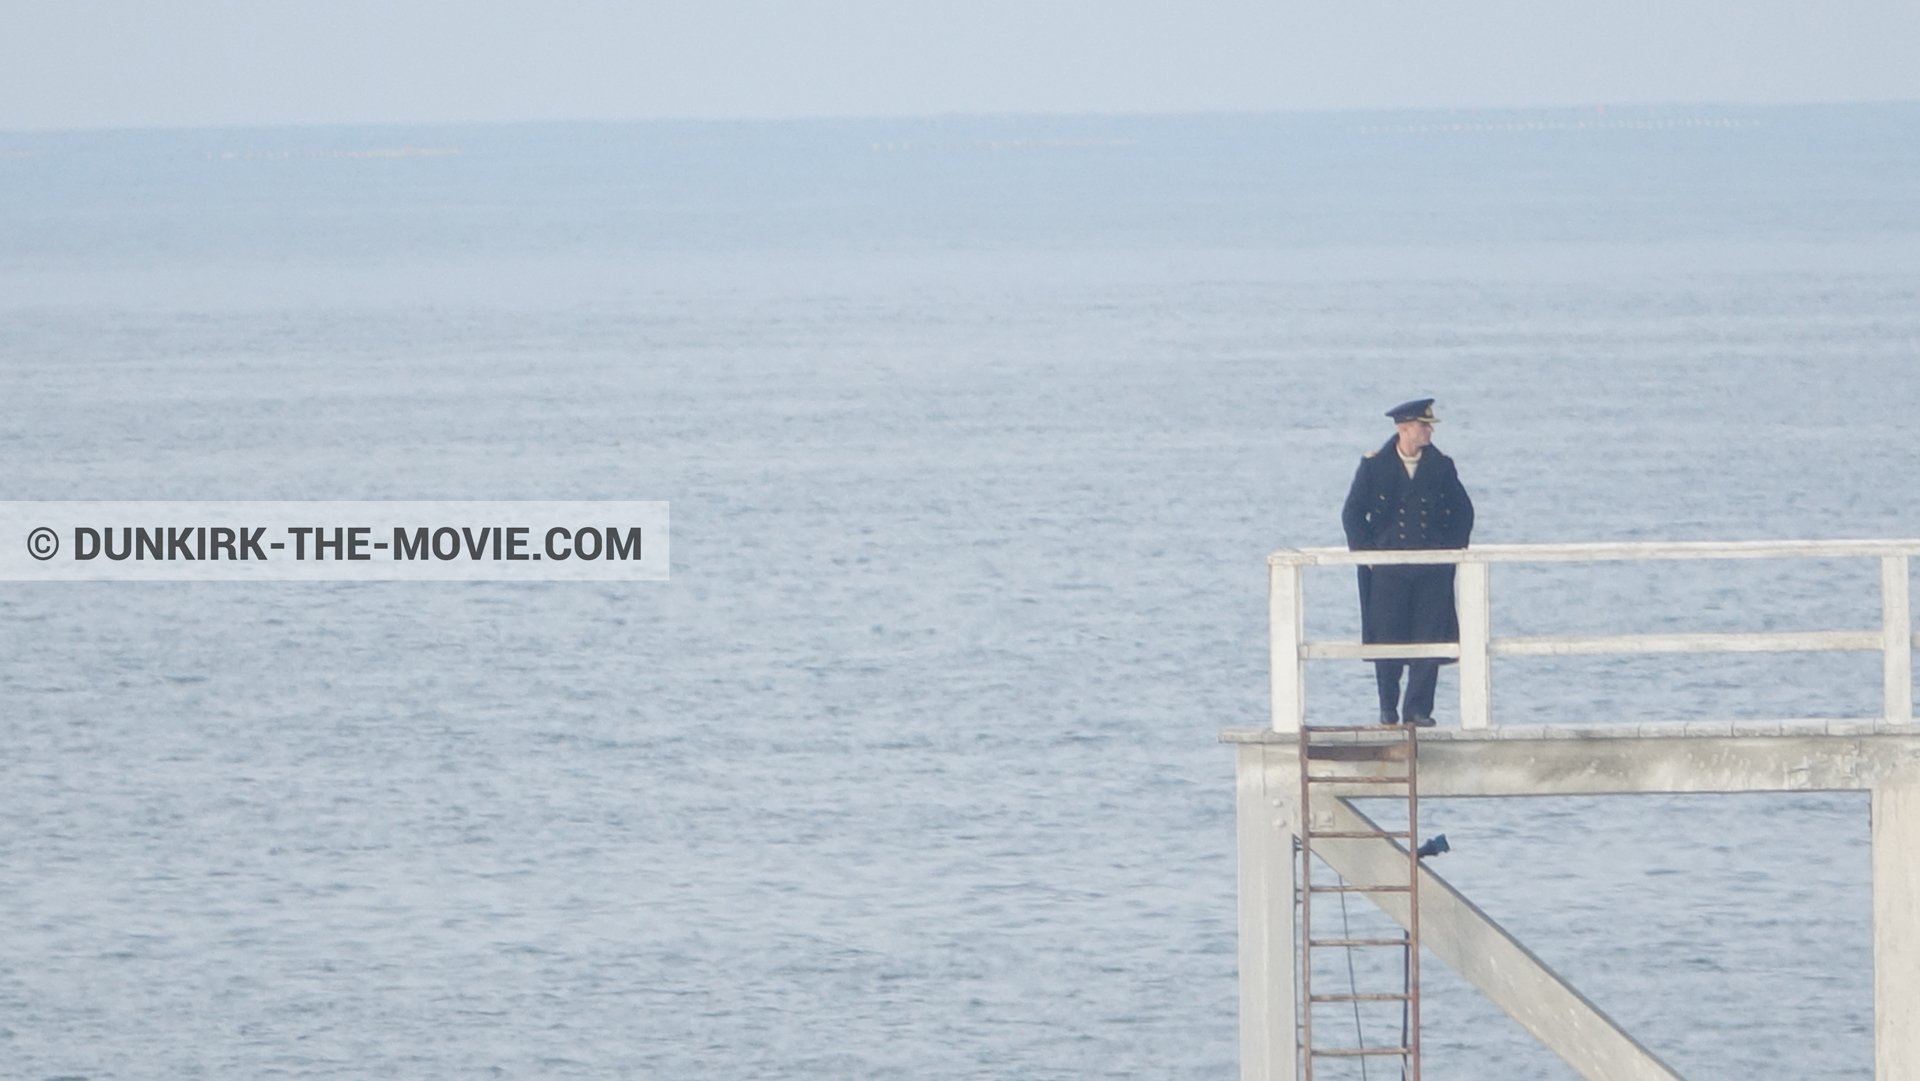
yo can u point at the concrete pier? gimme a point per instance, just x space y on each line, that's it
1877 756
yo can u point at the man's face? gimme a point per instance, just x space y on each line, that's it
1414 434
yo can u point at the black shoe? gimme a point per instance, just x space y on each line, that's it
1420 722
1388 716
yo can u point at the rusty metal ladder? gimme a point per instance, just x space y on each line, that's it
1340 756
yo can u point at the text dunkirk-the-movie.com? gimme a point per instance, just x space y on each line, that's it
138 540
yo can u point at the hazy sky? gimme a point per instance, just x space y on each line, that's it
115 63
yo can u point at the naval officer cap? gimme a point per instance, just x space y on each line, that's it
1422 409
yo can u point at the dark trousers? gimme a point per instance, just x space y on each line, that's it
1410 604
1424 677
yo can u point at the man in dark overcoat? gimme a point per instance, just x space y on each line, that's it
1407 495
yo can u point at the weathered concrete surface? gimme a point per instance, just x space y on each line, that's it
1491 960
1896 934
1786 756
1564 760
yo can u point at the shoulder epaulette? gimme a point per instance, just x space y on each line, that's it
1370 454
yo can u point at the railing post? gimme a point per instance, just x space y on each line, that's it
1473 601
1896 628
1286 614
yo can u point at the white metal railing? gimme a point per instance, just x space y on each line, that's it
1477 647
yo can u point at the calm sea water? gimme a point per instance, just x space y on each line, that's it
977 432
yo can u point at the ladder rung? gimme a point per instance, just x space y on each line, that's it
1364 996
1357 942
1356 1052
1357 752
1360 889
1383 729
1359 780
1312 833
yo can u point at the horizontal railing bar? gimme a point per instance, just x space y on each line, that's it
1602 551
1364 996
1356 1052
1376 651
1357 942
1561 645
1554 645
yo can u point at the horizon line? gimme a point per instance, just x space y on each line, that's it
1591 108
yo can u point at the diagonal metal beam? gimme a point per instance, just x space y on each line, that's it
1489 958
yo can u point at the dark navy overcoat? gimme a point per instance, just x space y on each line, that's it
1386 509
